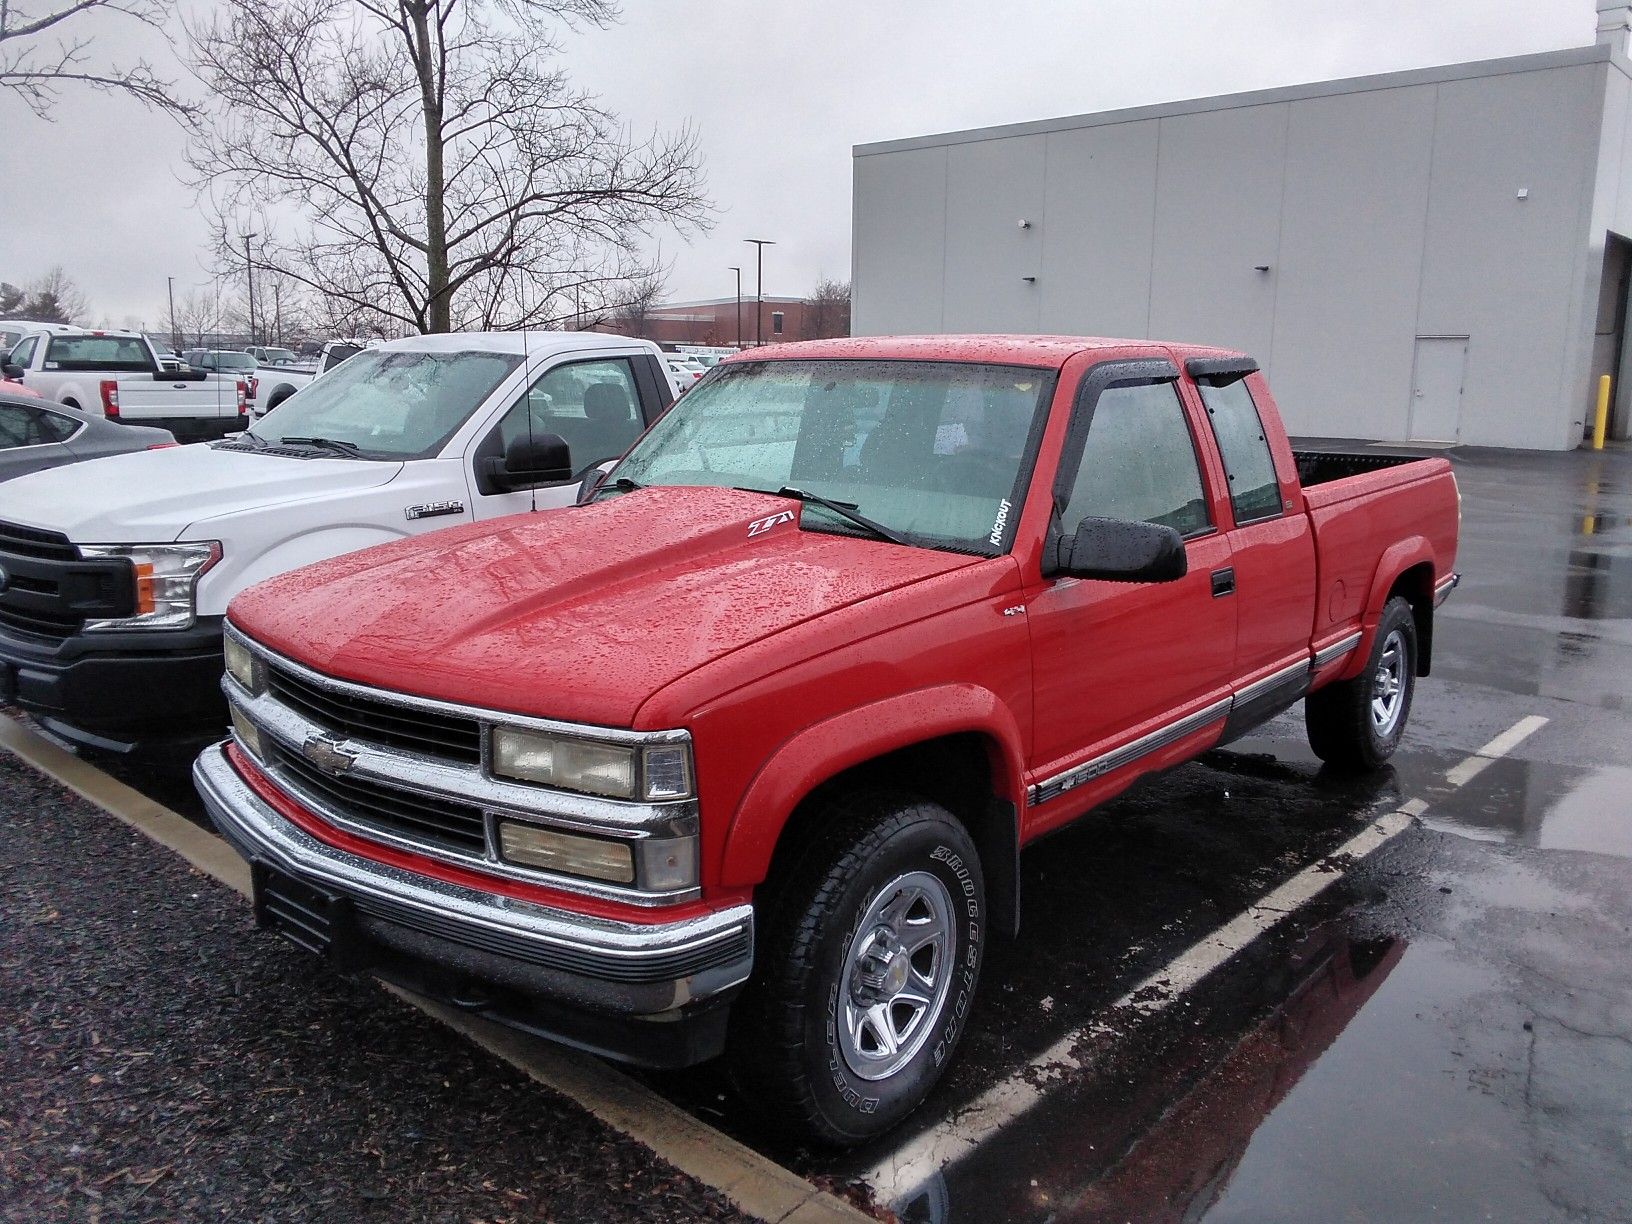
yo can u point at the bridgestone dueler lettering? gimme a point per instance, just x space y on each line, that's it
785 1046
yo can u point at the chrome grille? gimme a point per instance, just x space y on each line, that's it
412 814
441 735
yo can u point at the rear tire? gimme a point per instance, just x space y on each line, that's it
869 956
1355 725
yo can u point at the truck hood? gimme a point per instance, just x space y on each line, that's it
577 614
154 496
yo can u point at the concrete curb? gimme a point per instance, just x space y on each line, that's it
755 1184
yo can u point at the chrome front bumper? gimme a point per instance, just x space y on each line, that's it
592 964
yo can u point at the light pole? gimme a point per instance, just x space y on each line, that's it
738 271
277 301
249 275
759 287
175 336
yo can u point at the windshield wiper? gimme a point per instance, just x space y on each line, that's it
845 510
334 444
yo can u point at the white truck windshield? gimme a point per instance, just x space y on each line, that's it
388 405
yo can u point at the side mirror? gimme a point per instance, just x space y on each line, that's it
12 371
530 462
1119 551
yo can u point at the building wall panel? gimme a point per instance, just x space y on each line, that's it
991 186
898 252
1099 222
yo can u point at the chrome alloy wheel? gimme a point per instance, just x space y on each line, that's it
896 974
1388 685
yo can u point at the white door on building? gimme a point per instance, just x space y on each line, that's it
1436 388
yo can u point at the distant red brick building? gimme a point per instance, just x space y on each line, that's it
714 322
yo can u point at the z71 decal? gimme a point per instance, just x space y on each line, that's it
761 526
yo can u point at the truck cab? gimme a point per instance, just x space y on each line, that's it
122 572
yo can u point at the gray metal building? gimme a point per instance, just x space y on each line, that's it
1435 255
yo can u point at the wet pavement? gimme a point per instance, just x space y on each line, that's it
1444 1034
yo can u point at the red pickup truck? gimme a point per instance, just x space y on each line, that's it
738 755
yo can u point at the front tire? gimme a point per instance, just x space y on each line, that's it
1355 725
869 960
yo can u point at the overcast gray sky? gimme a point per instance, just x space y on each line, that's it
779 93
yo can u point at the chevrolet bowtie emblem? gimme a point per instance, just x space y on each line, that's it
327 754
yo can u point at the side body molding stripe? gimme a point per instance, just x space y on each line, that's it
1116 758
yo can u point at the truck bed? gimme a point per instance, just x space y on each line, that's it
1318 467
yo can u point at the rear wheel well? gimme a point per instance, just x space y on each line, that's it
72 403
954 771
1416 586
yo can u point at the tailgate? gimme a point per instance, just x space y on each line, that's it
169 397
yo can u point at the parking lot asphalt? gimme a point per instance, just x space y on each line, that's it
1439 1028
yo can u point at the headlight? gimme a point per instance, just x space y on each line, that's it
654 772
166 578
242 665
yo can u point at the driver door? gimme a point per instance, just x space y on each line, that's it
595 406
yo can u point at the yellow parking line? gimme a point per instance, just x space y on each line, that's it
755 1184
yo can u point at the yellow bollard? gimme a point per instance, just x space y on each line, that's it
1600 422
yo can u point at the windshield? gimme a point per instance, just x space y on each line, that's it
935 451
278 356
390 405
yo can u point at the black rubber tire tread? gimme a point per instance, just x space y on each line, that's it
767 1050
1338 717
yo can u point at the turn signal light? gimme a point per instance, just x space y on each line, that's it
144 588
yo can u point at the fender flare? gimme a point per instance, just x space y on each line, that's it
824 749
1396 559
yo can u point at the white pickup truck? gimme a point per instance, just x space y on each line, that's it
110 619
280 378
120 375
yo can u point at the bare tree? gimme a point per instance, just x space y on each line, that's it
827 310
200 313
632 316
441 172
53 298
46 47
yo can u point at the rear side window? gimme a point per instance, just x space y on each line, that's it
54 427
1139 463
1255 492
97 353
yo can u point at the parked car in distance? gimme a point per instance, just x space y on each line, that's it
12 331
681 374
402 439
35 435
7 387
119 373
737 756
272 355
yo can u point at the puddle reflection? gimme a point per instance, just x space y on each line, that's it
1114 1150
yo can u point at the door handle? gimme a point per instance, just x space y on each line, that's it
1223 581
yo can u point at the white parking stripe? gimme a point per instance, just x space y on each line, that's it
910 1165
906 1168
1494 751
